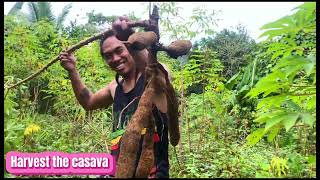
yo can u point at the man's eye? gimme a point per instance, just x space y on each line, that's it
107 56
119 50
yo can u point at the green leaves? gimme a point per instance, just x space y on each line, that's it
279 166
255 136
44 10
62 16
41 11
8 106
202 67
284 49
280 23
290 120
274 121
271 102
17 7
232 81
200 22
273 132
283 74
291 65
271 83
303 19
279 27
280 77
279 81
307 118
281 89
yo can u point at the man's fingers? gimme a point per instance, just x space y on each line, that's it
116 23
65 61
63 57
121 23
124 25
124 18
63 54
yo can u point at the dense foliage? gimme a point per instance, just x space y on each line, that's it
246 109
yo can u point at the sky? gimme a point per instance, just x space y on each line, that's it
252 15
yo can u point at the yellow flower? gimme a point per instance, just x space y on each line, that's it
32 128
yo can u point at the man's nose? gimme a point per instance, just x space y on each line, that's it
116 57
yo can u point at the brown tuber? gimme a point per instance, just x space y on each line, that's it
156 82
131 138
173 106
141 40
147 159
179 48
140 119
173 123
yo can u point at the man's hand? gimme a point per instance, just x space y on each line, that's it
122 29
67 61
120 24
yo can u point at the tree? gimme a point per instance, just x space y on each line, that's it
232 47
16 8
99 19
42 10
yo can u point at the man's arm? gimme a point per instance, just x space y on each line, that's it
87 99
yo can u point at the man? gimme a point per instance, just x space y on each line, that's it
123 93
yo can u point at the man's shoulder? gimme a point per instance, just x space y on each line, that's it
113 84
112 87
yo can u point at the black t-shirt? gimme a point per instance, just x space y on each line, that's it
125 104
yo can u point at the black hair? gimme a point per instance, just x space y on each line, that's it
103 38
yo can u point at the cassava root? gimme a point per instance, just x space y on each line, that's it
142 40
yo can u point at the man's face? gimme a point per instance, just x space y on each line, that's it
117 56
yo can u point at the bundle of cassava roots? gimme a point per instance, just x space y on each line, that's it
157 82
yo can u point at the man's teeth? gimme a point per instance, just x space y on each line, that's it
120 66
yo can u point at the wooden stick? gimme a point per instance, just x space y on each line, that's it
69 50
